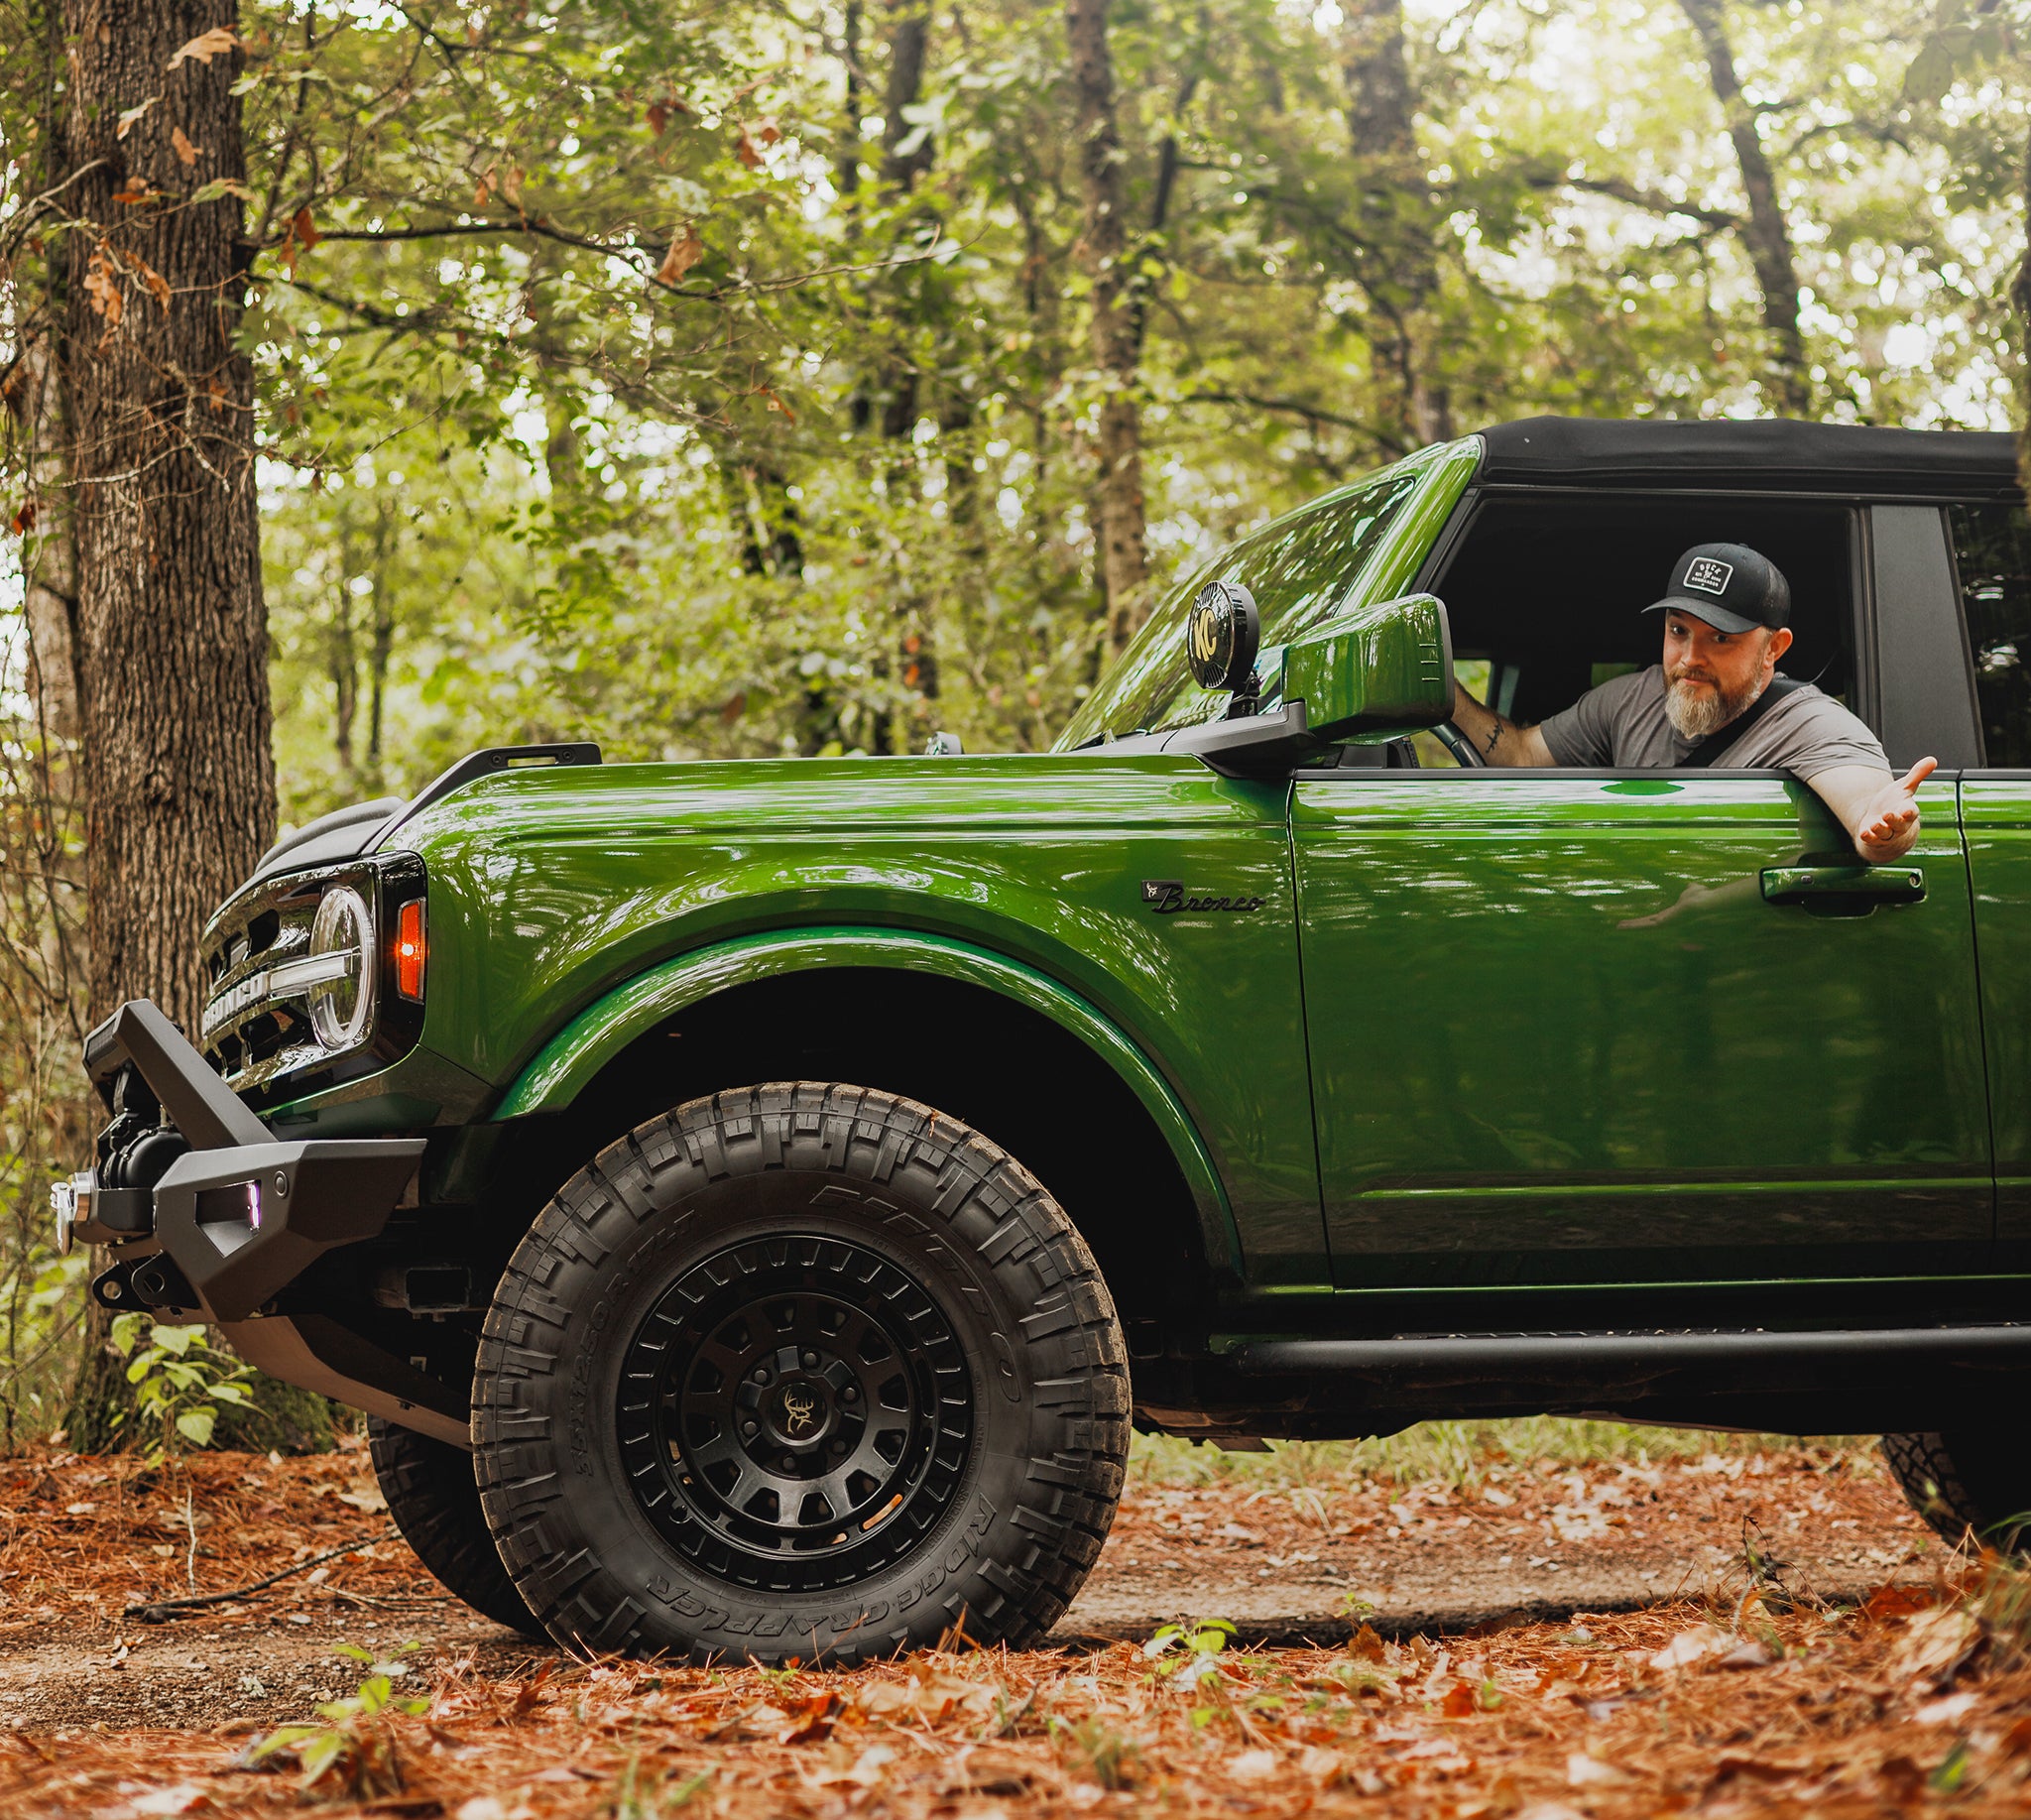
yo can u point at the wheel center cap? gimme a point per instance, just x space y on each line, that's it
799 1409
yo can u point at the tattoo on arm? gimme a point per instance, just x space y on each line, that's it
1494 733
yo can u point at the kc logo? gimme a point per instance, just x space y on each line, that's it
1708 575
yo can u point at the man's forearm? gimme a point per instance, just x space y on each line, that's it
1498 741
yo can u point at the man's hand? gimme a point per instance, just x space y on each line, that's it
1881 818
1890 826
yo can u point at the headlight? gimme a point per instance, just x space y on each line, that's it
341 990
316 976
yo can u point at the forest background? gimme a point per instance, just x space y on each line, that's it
808 375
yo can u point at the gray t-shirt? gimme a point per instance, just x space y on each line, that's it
1623 725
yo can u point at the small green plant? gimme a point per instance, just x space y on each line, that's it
2001 1598
1111 1757
1197 1641
352 1756
640 1795
179 1378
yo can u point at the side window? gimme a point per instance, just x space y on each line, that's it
1993 551
1299 568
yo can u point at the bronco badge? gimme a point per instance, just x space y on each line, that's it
1167 897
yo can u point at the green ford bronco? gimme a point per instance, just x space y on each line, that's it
754 1201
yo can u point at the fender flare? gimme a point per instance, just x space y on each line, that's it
574 1056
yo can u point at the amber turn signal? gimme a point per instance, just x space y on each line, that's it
410 950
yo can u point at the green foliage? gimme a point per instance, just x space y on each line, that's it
648 1795
1109 1756
178 1379
831 487
352 1756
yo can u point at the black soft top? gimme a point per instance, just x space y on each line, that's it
1780 453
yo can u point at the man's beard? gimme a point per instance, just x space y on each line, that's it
1695 712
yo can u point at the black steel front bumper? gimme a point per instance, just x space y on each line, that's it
242 1216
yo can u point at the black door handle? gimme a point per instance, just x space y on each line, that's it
1844 886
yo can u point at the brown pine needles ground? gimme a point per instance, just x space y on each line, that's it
1891 1677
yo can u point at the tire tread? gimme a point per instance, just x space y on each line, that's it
435 1500
1079 1359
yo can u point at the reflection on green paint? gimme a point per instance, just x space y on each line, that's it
1641 786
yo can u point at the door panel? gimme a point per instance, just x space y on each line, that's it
1997 808
1560 1035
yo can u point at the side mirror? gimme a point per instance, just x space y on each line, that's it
1367 677
1376 673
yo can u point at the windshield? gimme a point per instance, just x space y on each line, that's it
1299 569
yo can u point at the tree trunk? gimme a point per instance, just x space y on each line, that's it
1766 233
910 39
847 165
177 770
2020 296
1124 556
382 647
49 560
1395 215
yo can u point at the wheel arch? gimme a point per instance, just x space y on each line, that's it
936 1018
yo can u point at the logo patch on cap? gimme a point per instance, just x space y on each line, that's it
1708 575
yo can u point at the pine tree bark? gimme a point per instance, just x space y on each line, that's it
177 770
1103 245
1766 234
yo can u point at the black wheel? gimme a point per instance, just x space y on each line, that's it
436 1504
800 1371
1966 1479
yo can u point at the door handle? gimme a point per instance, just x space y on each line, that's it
1840 886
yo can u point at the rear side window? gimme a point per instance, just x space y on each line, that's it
1993 553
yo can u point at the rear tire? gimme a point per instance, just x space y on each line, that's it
800 1371
1966 1479
436 1504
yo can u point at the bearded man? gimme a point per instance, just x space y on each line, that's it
1716 699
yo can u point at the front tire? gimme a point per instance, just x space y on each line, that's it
1966 1479
800 1371
436 1504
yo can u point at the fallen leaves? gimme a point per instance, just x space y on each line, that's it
1934 1647
1726 1701
1699 1643
180 143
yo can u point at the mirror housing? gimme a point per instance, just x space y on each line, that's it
1376 673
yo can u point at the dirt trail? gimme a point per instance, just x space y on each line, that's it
1284 1565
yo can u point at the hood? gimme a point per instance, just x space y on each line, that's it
343 834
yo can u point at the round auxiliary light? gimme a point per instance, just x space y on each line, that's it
1223 632
342 1007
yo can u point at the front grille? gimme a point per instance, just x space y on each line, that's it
256 1026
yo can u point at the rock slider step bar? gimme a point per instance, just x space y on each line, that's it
1998 1344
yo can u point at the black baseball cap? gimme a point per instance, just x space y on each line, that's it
1730 586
